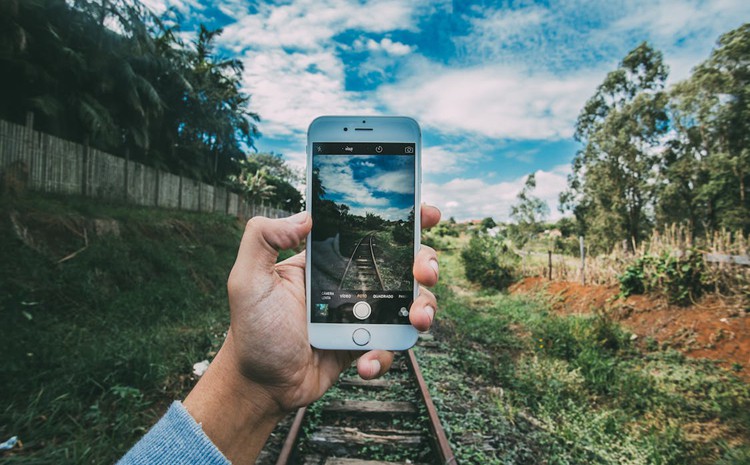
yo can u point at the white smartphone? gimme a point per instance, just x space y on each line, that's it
363 183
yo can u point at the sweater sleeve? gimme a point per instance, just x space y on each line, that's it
175 439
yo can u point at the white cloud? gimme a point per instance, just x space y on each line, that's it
685 30
399 182
337 177
390 213
493 101
292 68
289 90
385 45
474 198
451 158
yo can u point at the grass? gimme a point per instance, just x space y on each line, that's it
96 347
521 384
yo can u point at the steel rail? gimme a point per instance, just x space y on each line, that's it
442 446
375 264
439 440
349 263
291 437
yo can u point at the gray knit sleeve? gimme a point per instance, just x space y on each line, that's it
175 439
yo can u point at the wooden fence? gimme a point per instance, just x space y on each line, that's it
49 164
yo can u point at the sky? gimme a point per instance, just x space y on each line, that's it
496 86
379 184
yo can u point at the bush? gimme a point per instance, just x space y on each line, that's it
488 263
679 279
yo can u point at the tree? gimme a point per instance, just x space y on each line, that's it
488 223
115 75
529 212
613 185
706 170
277 177
252 183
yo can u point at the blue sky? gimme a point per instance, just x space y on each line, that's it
495 85
378 184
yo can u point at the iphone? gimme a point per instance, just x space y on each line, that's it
363 183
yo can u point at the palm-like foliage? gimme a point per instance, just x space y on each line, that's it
112 73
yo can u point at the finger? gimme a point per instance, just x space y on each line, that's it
262 240
430 216
374 364
422 311
426 268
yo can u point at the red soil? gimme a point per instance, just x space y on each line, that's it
710 329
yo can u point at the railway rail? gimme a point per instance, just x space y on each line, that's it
362 269
350 430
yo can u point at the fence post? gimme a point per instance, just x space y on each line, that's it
179 195
156 185
85 167
549 256
127 163
583 261
28 157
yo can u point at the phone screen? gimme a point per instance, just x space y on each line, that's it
362 249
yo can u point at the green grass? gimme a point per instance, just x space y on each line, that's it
521 384
96 347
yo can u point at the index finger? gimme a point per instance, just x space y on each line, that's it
430 216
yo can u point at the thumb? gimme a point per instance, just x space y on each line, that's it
262 240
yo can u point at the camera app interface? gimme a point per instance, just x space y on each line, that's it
362 247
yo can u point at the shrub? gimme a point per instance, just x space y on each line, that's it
679 279
488 263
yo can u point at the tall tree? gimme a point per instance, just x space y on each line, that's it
529 211
707 168
612 187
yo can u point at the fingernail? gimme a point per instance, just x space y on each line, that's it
375 367
434 265
430 312
300 218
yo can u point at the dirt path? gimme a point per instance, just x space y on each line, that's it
709 329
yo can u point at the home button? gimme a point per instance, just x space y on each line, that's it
361 336
362 310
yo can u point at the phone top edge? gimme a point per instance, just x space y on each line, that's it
338 119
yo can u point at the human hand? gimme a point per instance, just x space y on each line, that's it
266 366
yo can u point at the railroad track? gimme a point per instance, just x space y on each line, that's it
362 270
358 426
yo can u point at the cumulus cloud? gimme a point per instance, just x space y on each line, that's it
292 67
492 101
399 182
475 198
385 45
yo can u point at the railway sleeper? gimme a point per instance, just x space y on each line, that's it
371 384
369 408
346 441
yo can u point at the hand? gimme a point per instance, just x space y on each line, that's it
266 366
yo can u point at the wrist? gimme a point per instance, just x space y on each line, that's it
235 413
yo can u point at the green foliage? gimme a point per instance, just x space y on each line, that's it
679 279
488 263
529 213
114 330
706 168
632 174
113 74
613 179
538 387
488 223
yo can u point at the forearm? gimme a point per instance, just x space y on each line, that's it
235 414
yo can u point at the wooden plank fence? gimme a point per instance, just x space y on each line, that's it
50 164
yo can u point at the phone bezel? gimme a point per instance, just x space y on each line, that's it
384 129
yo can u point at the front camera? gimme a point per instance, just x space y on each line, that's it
346 129
363 121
